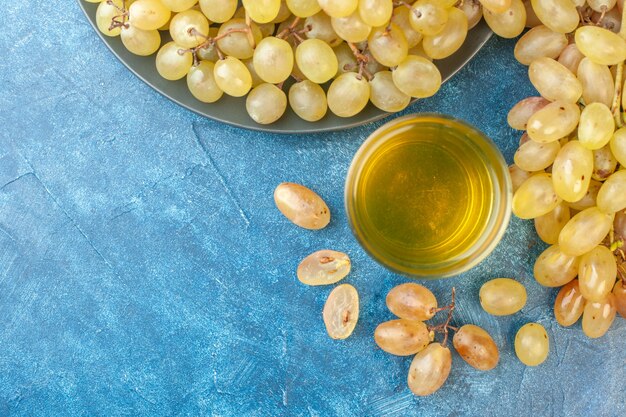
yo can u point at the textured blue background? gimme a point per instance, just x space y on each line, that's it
144 269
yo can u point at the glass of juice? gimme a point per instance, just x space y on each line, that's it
428 195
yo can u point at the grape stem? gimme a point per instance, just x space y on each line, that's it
115 20
291 29
444 327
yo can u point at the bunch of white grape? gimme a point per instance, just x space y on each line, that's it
340 54
570 168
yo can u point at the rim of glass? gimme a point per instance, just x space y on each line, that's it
495 227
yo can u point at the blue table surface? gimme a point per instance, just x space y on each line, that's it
144 269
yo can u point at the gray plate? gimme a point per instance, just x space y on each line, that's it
232 110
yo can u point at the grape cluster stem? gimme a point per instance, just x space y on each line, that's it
444 327
115 20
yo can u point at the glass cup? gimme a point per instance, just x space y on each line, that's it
428 196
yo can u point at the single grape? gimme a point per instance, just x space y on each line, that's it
619 226
375 12
189 28
348 94
598 316
496 6
218 11
237 44
266 103
308 100
351 28
601 5
569 304
324 267
450 39
171 64
208 52
554 81
535 197
388 45
618 145
341 311
570 58
104 17
539 42
596 273
619 295
535 156
597 82
140 42
232 77
428 17
317 60
429 369
549 225
345 58
585 231
262 11
553 122
600 45
417 77
473 11
201 82
476 347
385 95
520 113
147 14
301 206
596 126
273 60
518 176
604 163
509 23
502 296
412 301
612 195
179 5
559 15
571 171
338 8
320 27
402 337
532 344
553 268
303 8
401 18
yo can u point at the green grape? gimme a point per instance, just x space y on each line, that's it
401 19
345 59
450 39
402 337
518 176
535 156
218 11
338 8
539 42
376 12
388 45
348 94
569 304
520 113
549 225
554 81
140 42
268 29
510 23
597 82
256 80
502 296
201 82
532 344
308 100
601 5
600 45
104 15
496 6
208 52
351 28
473 11
571 171
604 163
171 64
304 8
612 195
589 200
535 197
596 126
341 311
262 11
266 103
412 301
570 58
559 15
237 44
596 273
320 27
273 60
317 60
427 17
553 122
618 145
148 14
232 77
476 347
585 231
598 317
189 28
302 206
179 5
429 369
553 268
385 95
619 296
324 267
417 77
